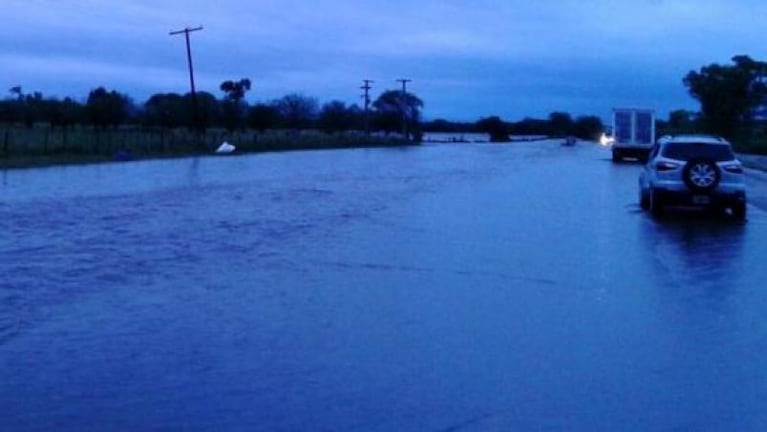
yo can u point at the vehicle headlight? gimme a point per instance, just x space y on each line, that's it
605 139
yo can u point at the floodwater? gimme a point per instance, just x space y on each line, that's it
435 288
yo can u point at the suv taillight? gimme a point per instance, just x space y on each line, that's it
666 166
735 168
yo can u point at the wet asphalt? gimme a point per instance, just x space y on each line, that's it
434 288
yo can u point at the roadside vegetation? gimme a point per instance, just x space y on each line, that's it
733 104
109 125
557 125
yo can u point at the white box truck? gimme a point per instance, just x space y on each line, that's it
633 133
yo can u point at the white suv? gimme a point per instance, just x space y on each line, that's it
693 170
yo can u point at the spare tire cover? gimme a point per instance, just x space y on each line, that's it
701 174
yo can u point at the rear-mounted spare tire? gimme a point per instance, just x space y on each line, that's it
701 175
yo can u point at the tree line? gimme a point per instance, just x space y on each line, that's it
733 104
732 97
558 124
110 109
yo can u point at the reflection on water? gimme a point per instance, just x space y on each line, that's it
697 265
696 247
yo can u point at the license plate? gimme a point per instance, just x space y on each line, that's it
701 199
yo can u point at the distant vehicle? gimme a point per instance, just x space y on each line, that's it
633 133
606 139
693 170
569 141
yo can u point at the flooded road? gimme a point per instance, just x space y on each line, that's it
434 288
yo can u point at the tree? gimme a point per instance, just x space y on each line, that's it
233 107
679 118
447 126
588 127
728 94
263 116
7 111
63 114
17 92
336 116
495 127
296 110
107 108
561 124
11 109
679 121
208 109
389 108
25 108
32 108
168 110
531 126
235 90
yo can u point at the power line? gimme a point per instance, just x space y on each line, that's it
366 97
403 103
186 32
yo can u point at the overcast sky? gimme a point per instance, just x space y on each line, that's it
467 59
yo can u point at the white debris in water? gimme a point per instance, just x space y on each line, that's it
225 147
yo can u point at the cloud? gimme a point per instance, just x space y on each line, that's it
466 59
76 76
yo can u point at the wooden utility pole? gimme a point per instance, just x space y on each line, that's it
186 32
366 97
403 104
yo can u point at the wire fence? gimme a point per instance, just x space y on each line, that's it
19 141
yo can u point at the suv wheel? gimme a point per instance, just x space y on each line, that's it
701 175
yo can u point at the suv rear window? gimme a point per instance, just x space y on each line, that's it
687 151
